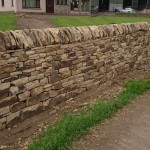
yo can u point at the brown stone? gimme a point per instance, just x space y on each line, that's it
36 99
57 86
4 75
23 57
17 106
32 85
3 62
57 100
20 81
4 111
8 101
53 93
9 79
7 69
13 119
65 72
32 110
4 86
24 96
44 81
37 91
4 94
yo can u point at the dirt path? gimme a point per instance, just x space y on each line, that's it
128 130
33 21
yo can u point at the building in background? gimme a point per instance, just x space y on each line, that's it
111 5
70 6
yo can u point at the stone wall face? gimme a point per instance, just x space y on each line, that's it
41 68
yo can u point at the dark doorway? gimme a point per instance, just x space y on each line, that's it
103 5
49 6
127 3
142 4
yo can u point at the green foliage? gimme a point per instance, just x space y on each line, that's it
7 21
72 126
69 21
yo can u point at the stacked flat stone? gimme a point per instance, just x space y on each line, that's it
25 39
41 68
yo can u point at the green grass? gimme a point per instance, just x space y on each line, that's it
69 21
60 135
7 21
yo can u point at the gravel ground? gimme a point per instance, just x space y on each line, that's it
30 21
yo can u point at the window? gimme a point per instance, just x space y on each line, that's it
12 3
61 2
74 4
85 5
31 3
2 2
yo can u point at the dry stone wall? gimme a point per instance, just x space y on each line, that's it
41 68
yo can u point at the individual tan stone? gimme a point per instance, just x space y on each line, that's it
31 110
8 68
17 106
20 81
34 56
3 62
44 81
46 104
14 90
36 91
4 111
42 55
24 96
49 59
4 86
13 60
8 101
50 39
63 70
32 85
2 120
54 33
2 123
13 118
30 52
53 93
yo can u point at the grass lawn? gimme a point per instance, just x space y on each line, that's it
64 21
7 21
72 126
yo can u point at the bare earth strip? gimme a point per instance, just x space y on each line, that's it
128 130
30 21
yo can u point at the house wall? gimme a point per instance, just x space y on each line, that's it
115 4
62 9
19 7
41 68
7 6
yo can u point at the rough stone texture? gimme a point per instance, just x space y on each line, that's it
41 68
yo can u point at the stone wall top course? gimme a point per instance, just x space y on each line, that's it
31 38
